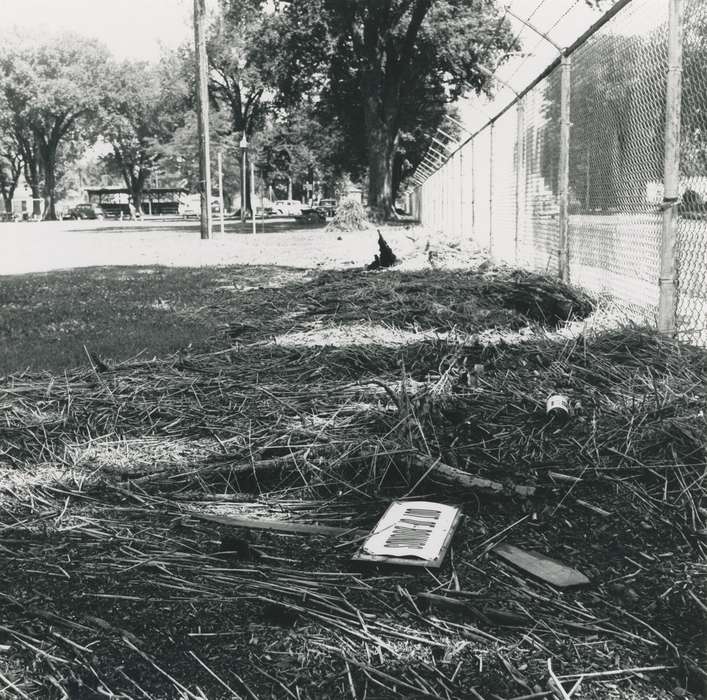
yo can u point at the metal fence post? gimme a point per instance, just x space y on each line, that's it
520 152
671 171
564 169
461 193
491 192
473 193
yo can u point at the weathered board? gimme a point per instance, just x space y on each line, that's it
278 525
540 566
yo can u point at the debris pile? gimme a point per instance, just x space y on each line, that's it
350 216
186 527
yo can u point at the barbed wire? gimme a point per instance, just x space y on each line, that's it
543 39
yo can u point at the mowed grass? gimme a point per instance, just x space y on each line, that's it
46 319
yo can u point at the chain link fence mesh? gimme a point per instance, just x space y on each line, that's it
691 241
502 186
616 155
481 186
503 210
540 143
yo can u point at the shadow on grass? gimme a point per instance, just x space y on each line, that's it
231 226
47 319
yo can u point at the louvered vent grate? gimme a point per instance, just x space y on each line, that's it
415 533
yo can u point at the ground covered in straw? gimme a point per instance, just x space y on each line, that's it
319 401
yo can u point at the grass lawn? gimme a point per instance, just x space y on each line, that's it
46 319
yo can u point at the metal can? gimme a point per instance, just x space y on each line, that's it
558 405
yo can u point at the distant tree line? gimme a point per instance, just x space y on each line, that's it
322 89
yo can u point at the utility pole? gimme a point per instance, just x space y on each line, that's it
202 100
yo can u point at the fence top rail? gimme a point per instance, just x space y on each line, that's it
606 17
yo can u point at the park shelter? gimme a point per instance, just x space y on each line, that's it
158 201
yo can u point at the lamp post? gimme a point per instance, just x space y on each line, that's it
244 174
220 191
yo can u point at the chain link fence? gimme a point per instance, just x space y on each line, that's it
599 199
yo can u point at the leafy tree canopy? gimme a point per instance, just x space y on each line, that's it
144 108
55 90
381 70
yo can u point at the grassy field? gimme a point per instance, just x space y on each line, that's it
47 319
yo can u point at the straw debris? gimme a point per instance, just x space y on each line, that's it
124 576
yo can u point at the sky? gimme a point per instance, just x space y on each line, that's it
563 21
130 28
139 29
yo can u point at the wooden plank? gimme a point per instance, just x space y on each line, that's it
278 525
540 566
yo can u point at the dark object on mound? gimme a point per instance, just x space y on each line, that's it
540 298
387 257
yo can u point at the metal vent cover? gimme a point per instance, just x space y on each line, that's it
411 533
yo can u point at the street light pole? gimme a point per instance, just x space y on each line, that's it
252 191
244 175
220 190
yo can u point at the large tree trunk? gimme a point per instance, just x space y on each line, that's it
50 184
137 188
30 157
381 151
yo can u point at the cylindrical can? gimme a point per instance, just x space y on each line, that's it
558 405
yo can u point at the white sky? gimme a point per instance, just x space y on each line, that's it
130 28
137 28
563 21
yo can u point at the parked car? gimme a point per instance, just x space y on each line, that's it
287 207
85 211
311 216
326 207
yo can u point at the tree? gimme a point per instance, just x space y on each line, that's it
382 68
10 159
297 148
140 114
236 85
235 80
180 155
55 91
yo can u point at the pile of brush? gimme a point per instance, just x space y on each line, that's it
350 216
